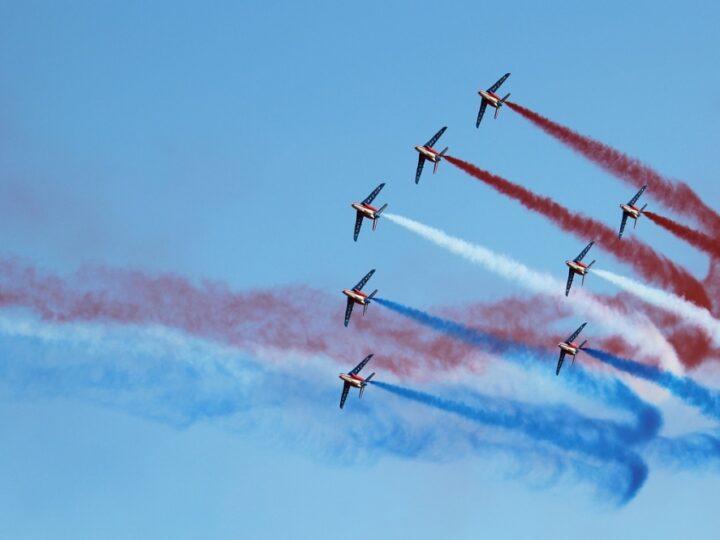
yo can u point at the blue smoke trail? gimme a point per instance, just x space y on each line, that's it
180 384
542 424
611 391
694 450
704 399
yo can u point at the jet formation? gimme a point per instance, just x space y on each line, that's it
427 152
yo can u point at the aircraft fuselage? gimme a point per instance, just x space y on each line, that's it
569 348
577 267
428 153
358 297
492 99
353 380
365 209
630 210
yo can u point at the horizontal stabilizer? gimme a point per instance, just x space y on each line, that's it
370 377
377 215
589 265
367 301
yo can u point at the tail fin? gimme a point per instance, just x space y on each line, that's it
500 104
583 276
377 215
362 388
439 157
639 214
578 350
367 301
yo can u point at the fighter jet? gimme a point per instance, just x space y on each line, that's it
576 267
356 296
353 379
364 210
427 152
490 98
568 347
631 211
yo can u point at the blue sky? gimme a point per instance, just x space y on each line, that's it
227 143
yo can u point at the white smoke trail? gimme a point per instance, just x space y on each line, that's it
701 317
637 329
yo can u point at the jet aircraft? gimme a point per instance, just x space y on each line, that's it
353 379
364 210
427 152
631 211
489 97
577 267
568 347
356 296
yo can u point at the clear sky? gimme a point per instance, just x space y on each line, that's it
226 142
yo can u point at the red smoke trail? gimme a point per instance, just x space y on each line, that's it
294 318
691 236
678 197
652 266
289 319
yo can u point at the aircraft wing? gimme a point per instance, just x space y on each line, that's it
622 224
421 162
584 252
576 333
348 310
343 396
559 365
358 224
497 85
481 112
571 275
363 281
361 365
370 197
436 137
637 196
